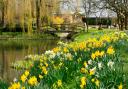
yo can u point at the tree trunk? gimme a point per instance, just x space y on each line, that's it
126 21
87 25
38 19
3 13
120 22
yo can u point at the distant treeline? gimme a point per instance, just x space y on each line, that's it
102 21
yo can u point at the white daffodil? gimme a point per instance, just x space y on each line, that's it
50 53
100 65
110 64
90 62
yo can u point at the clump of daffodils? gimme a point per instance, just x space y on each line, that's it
85 64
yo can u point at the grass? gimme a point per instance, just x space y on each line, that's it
3 85
93 33
20 35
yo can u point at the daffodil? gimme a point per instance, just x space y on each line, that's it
120 86
32 81
92 71
23 78
26 73
23 88
102 53
83 82
97 53
110 50
93 56
55 50
59 83
83 70
97 82
65 50
85 64
44 70
40 76
93 80
15 86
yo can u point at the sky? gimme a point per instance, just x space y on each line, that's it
69 8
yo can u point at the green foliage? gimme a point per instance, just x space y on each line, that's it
3 84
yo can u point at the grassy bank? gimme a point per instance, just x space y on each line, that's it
78 65
25 36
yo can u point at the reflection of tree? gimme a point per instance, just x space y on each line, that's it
12 51
4 65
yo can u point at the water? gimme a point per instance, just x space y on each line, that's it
14 50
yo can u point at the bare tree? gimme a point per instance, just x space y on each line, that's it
120 7
89 8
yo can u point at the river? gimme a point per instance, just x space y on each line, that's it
14 50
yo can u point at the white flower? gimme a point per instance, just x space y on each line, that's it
15 80
69 56
62 43
58 54
92 71
29 56
100 65
110 64
90 62
50 54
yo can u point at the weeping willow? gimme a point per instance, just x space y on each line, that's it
21 14
10 13
48 8
30 19
28 15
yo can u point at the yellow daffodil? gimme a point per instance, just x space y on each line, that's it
33 81
15 86
102 53
23 78
55 50
65 50
46 64
83 82
92 71
97 82
85 64
23 88
120 86
26 73
40 76
83 70
44 70
93 56
110 50
59 83
93 80
82 45
97 53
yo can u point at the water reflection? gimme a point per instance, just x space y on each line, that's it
11 51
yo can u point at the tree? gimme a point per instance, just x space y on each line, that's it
89 8
2 9
120 7
38 17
